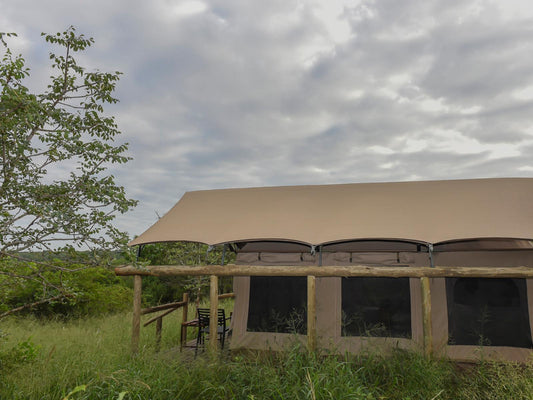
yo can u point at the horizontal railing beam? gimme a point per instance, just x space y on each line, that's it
163 307
160 316
325 271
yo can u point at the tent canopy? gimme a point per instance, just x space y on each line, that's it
425 212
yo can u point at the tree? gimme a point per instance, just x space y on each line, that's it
157 290
55 195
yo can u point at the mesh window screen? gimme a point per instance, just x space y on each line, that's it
277 304
488 312
376 307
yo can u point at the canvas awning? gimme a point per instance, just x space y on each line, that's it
427 212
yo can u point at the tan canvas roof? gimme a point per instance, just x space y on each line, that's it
431 211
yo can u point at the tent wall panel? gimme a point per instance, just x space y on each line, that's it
242 338
267 258
328 310
241 288
487 258
440 321
329 303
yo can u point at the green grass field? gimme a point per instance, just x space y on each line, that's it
90 359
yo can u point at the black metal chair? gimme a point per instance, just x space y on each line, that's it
203 327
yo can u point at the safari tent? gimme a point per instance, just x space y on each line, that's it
441 265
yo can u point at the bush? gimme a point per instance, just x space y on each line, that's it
21 353
96 291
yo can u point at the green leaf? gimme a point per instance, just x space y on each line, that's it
77 389
121 395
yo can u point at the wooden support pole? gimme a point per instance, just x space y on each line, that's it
426 317
346 271
311 313
158 329
184 318
213 317
136 325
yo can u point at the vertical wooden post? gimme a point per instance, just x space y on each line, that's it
213 317
185 315
426 316
136 326
311 313
184 318
158 329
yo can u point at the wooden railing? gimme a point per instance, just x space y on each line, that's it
311 272
158 319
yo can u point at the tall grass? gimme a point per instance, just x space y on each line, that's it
93 356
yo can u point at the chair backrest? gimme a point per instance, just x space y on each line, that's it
204 314
203 317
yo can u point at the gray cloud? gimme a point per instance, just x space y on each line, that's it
249 93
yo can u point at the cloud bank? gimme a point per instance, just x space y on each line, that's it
239 93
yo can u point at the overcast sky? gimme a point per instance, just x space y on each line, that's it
240 93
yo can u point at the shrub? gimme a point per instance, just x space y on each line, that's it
95 291
22 352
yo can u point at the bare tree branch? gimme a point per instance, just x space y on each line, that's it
35 304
